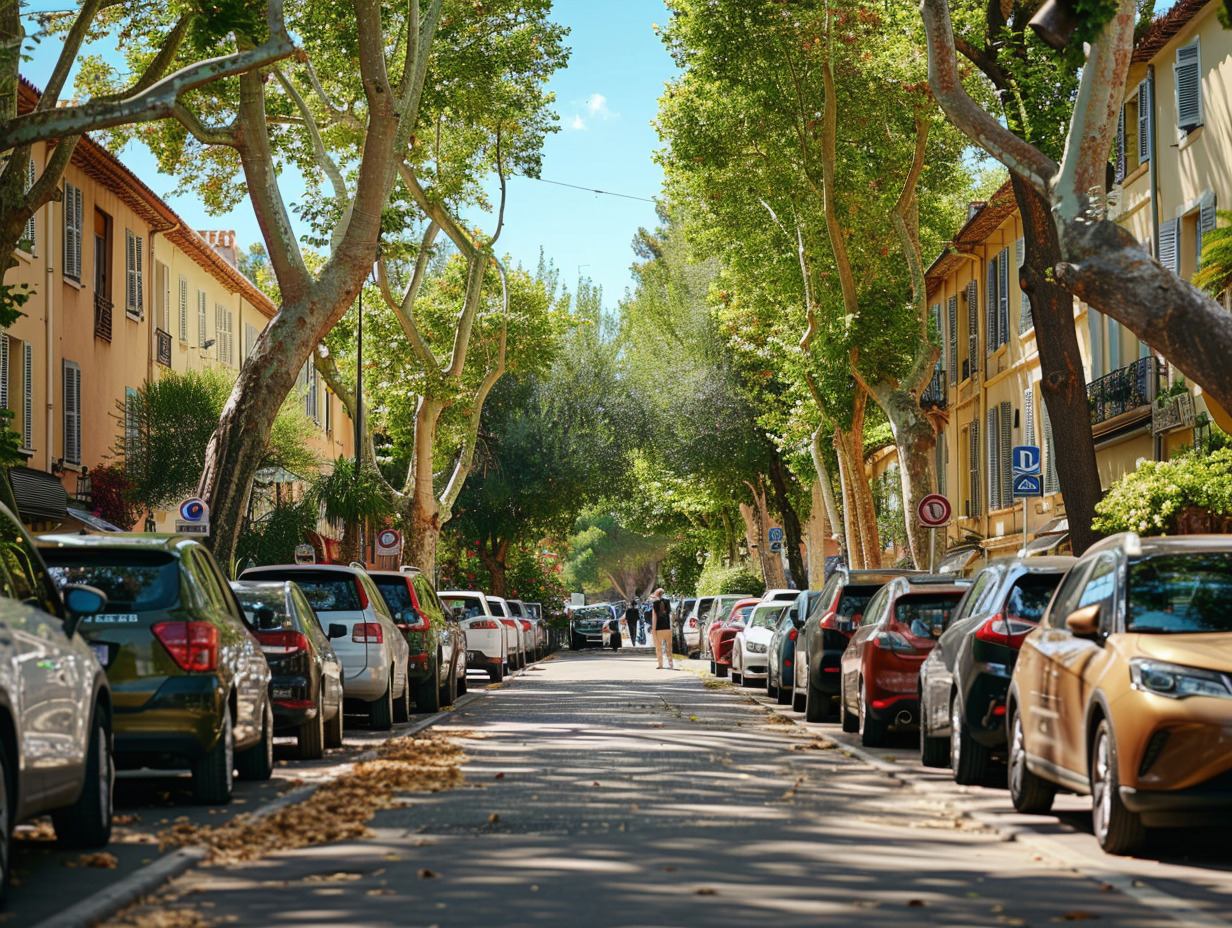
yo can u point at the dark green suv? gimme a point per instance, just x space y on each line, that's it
189 684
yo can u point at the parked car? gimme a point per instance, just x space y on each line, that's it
1124 691
529 629
373 652
486 645
306 675
436 644
720 611
782 673
779 595
189 683
965 678
586 626
880 672
56 705
751 646
680 614
521 636
723 634
825 635
692 622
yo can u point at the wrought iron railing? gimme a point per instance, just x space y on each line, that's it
102 317
164 347
1132 387
934 394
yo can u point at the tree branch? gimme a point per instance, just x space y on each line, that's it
402 308
324 161
207 135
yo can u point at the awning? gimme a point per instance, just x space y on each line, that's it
40 496
90 520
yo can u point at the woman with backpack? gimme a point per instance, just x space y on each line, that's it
661 615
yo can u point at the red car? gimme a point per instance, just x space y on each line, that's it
722 636
880 670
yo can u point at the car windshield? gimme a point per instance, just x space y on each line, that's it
396 592
766 617
1030 595
134 581
740 616
471 606
1181 593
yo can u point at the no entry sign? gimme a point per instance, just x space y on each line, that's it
934 511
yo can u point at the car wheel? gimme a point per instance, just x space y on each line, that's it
1118 830
428 695
934 752
771 690
713 669
381 712
1029 793
257 762
7 774
968 758
463 683
851 722
497 673
816 705
333 730
87 822
311 735
799 700
783 695
574 643
722 670
212 774
449 688
402 705
872 731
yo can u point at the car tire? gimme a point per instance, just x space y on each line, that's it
713 669
783 695
428 695
799 700
402 705
497 674
872 731
968 758
381 712
772 692
816 705
213 774
463 683
449 689
722 670
1118 830
87 822
934 752
8 773
1030 794
851 722
257 762
333 730
310 737
574 643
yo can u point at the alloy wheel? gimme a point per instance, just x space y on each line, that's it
1101 795
955 734
1018 757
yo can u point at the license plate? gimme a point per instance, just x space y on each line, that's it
102 652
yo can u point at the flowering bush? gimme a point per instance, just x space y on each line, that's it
109 493
1150 499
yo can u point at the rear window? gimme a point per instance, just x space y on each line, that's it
471 606
925 616
1173 593
265 609
1030 595
854 599
325 591
396 592
134 581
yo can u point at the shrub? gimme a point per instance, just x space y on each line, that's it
1148 500
717 580
110 493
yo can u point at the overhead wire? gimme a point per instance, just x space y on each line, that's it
606 193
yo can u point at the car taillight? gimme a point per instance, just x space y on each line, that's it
793 634
367 633
282 641
692 621
1000 630
484 623
525 626
363 595
893 641
192 645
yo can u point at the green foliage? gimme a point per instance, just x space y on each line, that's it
679 569
1215 273
1148 499
271 538
350 495
717 580
888 503
601 546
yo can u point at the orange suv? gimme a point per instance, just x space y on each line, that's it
1124 691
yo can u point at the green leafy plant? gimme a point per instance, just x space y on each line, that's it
717 580
271 538
1149 499
1215 273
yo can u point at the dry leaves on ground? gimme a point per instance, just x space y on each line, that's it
338 810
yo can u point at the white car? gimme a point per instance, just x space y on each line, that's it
486 646
373 654
530 635
513 631
691 625
750 658
782 595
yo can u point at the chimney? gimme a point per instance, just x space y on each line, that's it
223 242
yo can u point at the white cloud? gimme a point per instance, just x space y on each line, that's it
595 107
578 124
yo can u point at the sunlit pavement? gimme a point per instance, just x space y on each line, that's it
602 791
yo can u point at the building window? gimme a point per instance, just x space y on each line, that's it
329 412
73 203
27 396
1169 254
250 339
134 294
222 335
974 508
27 238
952 314
132 428
72 413
971 366
311 392
1188 71
201 330
183 309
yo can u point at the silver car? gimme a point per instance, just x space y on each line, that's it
519 650
373 653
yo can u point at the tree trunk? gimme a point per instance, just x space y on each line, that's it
851 511
758 521
422 511
792 536
916 442
493 553
1062 382
818 533
861 488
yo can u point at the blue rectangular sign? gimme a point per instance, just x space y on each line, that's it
1025 459
1028 485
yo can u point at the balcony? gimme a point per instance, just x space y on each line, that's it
934 396
1122 397
163 356
102 317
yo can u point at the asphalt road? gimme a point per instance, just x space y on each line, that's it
602 791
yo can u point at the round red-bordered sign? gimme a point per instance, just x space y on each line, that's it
934 511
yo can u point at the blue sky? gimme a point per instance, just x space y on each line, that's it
605 99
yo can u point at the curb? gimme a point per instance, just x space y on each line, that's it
106 902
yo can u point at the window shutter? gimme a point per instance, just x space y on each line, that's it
1003 297
140 244
974 468
1146 122
27 386
934 312
72 413
1120 146
973 327
183 308
952 310
1206 222
202 336
250 339
217 332
1051 482
1028 416
130 271
1005 463
1025 320
992 448
72 232
29 233
1167 244
1188 71
990 308
940 458
4 372
230 338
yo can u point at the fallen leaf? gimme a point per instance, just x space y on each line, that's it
915 903
706 891
669 869
493 818
1078 916
426 874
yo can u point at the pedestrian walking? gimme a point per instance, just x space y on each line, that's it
614 625
634 622
661 609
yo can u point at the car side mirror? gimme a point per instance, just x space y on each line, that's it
336 630
81 601
1084 622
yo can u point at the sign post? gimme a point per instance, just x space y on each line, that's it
775 537
933 512
1027 479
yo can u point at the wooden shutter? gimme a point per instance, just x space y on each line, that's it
4 372
1003 297
130 271
72 413
1005 463
1120 146
1206 222
1188 71
1025 320
27 389
202 336
28 235
952 311
250 339
183 308
139 246
72 231
990 308
973 467
1028 417
992 448
1146 122
1051 482
940 459
973 327
1168 230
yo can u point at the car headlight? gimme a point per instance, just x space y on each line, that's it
756 648
1177 681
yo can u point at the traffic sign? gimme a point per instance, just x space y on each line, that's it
775 534
388 542
1028 485
194 517
934 511
1026 460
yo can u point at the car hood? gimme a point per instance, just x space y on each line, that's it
762 635
1211 650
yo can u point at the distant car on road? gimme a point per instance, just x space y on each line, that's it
723 634
521 639
782 672
586 626
487 647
